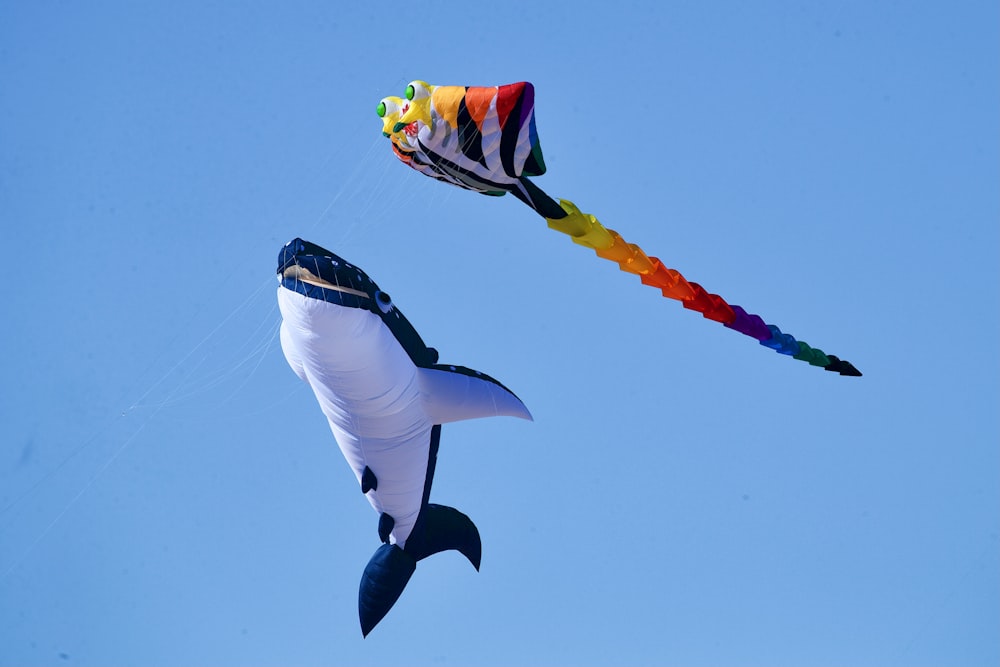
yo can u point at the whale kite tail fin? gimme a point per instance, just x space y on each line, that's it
439 528
383 581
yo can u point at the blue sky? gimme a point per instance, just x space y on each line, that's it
170 493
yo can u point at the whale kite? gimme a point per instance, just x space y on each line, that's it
385 397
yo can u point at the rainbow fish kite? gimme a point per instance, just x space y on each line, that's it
484 139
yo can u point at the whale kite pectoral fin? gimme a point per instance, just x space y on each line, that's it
382 583
441 528
455 393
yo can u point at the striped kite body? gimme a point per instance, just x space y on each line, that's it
479 138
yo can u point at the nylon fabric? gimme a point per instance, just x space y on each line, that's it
367 388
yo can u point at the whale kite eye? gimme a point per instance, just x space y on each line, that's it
380 109
383 301
410 92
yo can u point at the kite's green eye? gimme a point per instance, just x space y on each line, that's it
410 92
380 109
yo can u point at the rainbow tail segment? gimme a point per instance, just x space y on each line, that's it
587 231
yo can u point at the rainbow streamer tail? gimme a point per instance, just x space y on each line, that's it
563 216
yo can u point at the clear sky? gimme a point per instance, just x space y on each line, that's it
170 493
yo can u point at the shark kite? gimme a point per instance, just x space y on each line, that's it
483 138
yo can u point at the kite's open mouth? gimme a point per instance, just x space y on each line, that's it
410 129
296 272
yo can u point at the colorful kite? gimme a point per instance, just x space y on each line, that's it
385 398
484 139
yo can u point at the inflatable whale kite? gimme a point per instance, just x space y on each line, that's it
385 397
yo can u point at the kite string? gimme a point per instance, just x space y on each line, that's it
110 460
69 505
139 401
136 404
118 451
172 397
